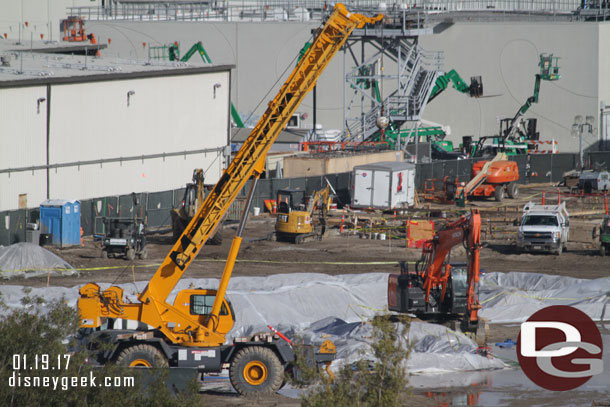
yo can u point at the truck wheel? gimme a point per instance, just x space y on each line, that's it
143 254
602 250
142 356
499 193
256 370
513 190
131 254
104 254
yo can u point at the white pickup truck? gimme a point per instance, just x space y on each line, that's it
544 228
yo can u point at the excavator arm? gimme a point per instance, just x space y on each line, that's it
249 162
437 288
435 272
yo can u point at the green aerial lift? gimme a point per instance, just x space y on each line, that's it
174 55
512 139
475 89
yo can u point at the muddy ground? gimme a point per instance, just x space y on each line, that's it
347 253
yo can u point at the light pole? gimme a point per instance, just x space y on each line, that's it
577 129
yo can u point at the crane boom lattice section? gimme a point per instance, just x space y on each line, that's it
250 159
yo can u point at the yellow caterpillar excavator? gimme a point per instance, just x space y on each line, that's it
191 331
295 218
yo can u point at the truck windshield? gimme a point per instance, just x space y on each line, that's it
538 220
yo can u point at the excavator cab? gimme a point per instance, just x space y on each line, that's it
198 302
290 199
293 219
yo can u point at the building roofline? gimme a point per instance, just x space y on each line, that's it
19 83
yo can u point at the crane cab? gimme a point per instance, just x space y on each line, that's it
293 219
198 302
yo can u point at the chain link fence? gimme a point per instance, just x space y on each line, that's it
155 207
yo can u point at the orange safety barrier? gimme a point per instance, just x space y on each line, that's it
418 231
271 205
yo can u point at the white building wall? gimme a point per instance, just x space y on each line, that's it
604 80
165 114
158 174
22 144
42 16
91 122
504 54
31 183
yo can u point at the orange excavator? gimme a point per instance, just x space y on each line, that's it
437 289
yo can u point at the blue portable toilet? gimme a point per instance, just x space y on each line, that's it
61 219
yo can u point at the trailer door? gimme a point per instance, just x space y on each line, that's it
363 187
381 189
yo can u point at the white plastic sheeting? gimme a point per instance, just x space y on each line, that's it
30 260
513 297
317 306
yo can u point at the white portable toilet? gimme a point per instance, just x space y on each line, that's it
383 185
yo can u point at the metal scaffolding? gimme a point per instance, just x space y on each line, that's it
392 83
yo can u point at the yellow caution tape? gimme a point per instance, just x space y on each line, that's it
333 263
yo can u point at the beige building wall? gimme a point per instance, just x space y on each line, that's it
311 166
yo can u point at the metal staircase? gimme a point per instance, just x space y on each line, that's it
415 72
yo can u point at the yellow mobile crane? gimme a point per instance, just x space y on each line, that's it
191 331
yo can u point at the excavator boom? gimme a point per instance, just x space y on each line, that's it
431 289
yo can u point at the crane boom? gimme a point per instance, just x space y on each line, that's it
152 309
250 159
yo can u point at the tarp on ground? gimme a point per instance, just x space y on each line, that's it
513 297
320 307
30 260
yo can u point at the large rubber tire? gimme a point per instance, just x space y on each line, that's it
142 356
602 250
256 371
513 190
499 193
131 254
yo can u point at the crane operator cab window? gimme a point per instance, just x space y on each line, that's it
202 305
